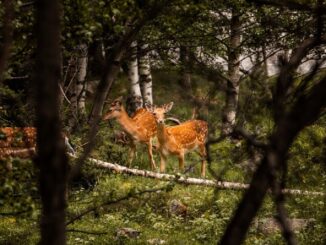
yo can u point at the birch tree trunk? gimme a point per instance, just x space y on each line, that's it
185 80
135 99
81 84
232 91
78 88
145 76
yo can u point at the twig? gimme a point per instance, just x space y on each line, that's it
88 232
14 213
64 95
110 202
248 137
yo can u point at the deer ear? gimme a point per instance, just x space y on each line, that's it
150 107
168 107
117 101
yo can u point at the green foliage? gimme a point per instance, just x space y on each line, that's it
19 186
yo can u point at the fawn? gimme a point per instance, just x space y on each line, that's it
21 142
177 140
141 127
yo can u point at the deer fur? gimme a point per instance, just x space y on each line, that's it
178 140
141 128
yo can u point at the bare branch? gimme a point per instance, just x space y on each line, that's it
88 232
251 139
110 202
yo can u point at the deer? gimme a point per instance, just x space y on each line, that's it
21 142
180 139
141 128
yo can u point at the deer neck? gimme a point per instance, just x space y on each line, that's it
162 134
127 123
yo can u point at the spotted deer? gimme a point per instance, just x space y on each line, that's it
21 142
141 127
178 140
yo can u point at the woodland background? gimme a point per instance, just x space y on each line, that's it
254 70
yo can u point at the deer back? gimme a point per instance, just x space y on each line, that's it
189 134
17 137
145 120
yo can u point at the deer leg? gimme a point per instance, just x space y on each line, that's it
202 153
163 161
150 154
181 158
132 150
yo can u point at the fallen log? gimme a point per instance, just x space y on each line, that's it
190 181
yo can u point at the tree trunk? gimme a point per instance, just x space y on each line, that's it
232 91
185 80
288 123
7 34
190 181
51 157
145 76
78 89
81 83
135 100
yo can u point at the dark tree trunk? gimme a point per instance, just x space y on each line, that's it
51 158
288 123
232 91
7 34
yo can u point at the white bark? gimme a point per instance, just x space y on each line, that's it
145 75
80 87
190 181
133 77
232 93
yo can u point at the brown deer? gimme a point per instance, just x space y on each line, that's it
141 127
177 140
21 142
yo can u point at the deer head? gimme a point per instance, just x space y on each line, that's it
159 112
114 109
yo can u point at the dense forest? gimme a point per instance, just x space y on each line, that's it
162 122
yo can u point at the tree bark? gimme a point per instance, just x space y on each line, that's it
190 181
51 158
185 80
135 100
304 112
7 35
232 91
81 82
145 76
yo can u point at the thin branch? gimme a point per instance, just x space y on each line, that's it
14 213
88 232
63 93
110 202
251 139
